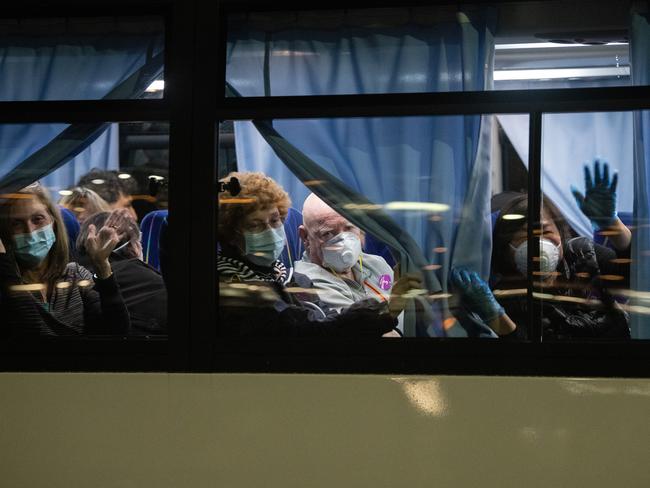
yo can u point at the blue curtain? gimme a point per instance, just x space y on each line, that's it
640 280
568 142
70 66
102 153
423 159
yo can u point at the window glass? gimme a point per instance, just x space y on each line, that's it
82 208
593 281
81 58
509 45
338 226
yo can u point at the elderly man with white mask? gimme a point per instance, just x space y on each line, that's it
334 261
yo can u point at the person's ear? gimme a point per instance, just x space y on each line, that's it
302 232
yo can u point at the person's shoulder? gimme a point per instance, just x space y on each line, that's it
306 267
376 263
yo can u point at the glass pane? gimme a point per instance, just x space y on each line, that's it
509 45
593 279
82 208
353 227
81 58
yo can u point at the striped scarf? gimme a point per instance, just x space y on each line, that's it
235 270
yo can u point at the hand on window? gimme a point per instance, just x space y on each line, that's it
599 201
476 294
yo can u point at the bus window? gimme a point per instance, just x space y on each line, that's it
78 239
325 217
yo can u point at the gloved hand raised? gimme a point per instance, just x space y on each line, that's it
599 201
476 294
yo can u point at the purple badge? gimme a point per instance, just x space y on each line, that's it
385 282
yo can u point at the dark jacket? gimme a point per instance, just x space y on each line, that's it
581 304
144 294
77 304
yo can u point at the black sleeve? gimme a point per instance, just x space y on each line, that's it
259 317
20 310
104 308
613 264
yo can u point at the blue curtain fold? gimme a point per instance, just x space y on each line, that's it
87 67
375 161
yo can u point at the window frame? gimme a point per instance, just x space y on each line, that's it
194 31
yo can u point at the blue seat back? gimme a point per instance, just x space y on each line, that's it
151 226
294 248
72 229
378 248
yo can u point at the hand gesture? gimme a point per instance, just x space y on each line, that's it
99 246
2 248
476 294
407 287
120 220
599 201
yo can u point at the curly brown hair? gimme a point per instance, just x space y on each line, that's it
258 192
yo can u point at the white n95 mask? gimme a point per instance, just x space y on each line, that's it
342 251
549 257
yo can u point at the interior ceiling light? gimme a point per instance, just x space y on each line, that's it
561 73
549 45
417 206
156 86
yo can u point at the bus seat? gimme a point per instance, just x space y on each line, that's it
72 228
151 226
294 248
378 248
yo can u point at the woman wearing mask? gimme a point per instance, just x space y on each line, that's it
42 292
574 272
258 295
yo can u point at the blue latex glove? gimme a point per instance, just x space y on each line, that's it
476 294
599 201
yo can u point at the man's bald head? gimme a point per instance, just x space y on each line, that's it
314 209
320 224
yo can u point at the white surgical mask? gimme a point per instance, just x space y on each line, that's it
549 257
342 251
263 248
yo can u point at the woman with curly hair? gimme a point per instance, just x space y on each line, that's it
259 296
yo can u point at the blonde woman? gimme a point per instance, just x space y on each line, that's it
84 202
42 293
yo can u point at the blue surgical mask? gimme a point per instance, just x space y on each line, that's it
31 249
263 248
